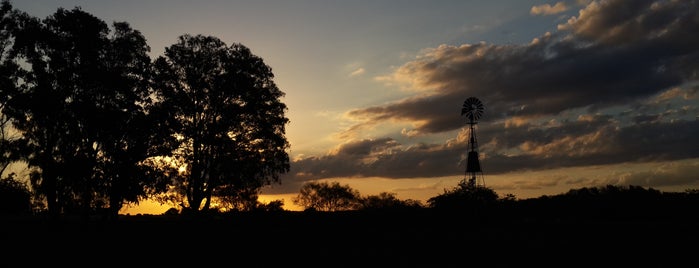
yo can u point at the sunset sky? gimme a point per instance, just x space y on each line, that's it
576 93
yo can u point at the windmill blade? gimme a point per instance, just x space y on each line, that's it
472 108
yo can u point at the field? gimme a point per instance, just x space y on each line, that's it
359 239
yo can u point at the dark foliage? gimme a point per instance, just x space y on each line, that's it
15 198
416 238
465 196
388 201
223 105
610 202
327 196
96 119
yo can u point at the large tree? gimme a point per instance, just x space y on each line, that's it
127 131
9 73
35 109
81 109
225 112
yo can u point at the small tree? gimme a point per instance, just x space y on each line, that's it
274 205
465 196
325 196
15 198
387 200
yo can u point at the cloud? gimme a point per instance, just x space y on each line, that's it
357 72
615 84
580 67
547 9
667 174
526 148
638 22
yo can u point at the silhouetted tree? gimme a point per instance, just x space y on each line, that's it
465 196
36 110
272 206
81 109
386 200
225 111
325 196
9 74
128 133
238 198
15 197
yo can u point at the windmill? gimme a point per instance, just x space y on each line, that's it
473 110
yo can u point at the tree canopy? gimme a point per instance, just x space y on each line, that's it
224 110
101 125
327 196
465 195
8 85
82 89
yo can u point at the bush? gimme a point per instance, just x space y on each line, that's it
15 197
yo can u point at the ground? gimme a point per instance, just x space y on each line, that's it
415 239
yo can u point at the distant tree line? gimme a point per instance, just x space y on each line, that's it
608 202
603 202
101 125
332 196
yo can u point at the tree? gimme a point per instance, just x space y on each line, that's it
128 132
325 196
224 109
387 200
272 206
15 197
465 196
82 109
9 74
34 109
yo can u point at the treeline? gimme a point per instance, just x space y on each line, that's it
463 221
612 202
465 199
100 124
472 201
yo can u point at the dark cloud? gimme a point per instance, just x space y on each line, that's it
582 143
612 54
382 157
615 84
366 148
658 24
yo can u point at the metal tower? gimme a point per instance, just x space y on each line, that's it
473 109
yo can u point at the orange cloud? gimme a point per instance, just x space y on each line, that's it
547 9
357 72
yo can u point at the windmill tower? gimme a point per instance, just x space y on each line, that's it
473 109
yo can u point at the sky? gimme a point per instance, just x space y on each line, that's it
576 93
